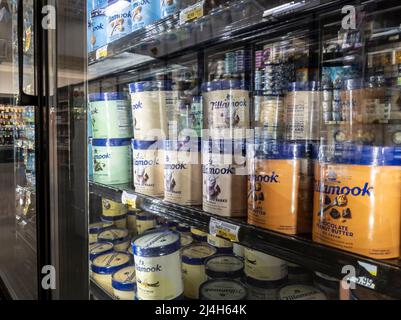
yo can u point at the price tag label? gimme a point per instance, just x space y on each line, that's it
128 199
224 229
191 13
101 53
366 275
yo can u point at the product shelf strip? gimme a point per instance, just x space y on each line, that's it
379 275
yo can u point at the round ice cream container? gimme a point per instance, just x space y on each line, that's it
148 168
119 19
238 250
198 235
117 221
96 228
111 208
124 283
145 221
193 267
300 292
105 265
224 266
222 289
98 248
186 239
117 236
158 265
144 13
111 115
222 246
150 101
98 29
112 161
183 228
131 220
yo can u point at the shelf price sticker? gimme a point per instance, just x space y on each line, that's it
101 53
128 199
364 275
224 229
192 12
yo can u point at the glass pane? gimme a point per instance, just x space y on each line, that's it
18 257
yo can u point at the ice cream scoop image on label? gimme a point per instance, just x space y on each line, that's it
357 202
144 12
119 19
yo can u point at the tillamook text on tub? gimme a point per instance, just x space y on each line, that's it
357 201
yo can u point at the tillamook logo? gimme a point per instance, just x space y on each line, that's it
209 170
227 103
140 3
143 162
124 15
137 105
177 166
98 27
102 156
273 178
356 191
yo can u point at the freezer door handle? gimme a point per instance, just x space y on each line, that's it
23 98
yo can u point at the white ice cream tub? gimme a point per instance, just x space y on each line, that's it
117 221
158 265
145 221
117 236
97 227
124 283
224 266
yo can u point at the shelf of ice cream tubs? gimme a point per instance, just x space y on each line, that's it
171 35
383 276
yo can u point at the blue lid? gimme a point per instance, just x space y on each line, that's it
111 142
107 96
199 237
142 86
98 248
113 218
303 86
156 243
145 145
282 151
225 85
97 227
124 279
265 284
111 262
366 155
97 13
144 216
193 145
197 253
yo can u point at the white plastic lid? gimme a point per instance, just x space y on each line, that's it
222 289
113 234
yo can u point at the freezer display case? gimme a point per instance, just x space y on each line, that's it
215 150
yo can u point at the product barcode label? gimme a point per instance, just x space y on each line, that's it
223 229
191 13
128 199
101 53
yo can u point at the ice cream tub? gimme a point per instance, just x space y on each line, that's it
182 172
224 266
186 240
222 289
168 7
98 29
112 161
117 221
131 221
119 19
357 200
117 236
110 115
280 185
112 208
264 267
150 101
124 283
222 246
224 178
145 221
105 265
198 235
148 168
98 248
145 12
158 265
96 228
300 292
193 267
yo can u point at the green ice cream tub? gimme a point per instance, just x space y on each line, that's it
112 161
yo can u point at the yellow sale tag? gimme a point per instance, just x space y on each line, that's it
101 53
224 229
128 199
191 13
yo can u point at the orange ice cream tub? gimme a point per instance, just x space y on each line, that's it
280 188
357 201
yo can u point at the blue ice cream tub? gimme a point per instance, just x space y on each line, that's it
118 19
144 13
98 25
168 7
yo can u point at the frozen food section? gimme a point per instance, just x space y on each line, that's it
301 97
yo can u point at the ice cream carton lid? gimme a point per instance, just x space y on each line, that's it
156 243
300 292
124 279
197 253
224 266
110 262
99 248
222 289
